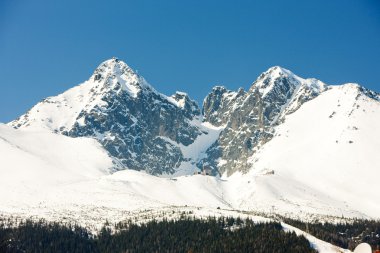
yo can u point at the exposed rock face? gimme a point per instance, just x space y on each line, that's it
131 129
250 117
218 105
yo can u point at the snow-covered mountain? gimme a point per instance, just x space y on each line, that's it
136 124
250 117
287 145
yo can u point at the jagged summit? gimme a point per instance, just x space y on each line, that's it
281 80
112 66
274 73
278 71
111 80
136 124
116 74
182 100
219 88
250 117
113 63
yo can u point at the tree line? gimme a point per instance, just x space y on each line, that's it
344 234
225 234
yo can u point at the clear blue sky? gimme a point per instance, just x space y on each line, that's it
49 46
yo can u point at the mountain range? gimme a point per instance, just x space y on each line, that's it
287 145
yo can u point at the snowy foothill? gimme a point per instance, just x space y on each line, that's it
45 175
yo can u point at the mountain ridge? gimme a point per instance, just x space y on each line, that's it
141 127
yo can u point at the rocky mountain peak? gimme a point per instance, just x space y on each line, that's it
276 71
138 126
114 66
116 75
250 117
275 79
189 106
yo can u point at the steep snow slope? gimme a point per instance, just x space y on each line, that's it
44 156
34 165
331 144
